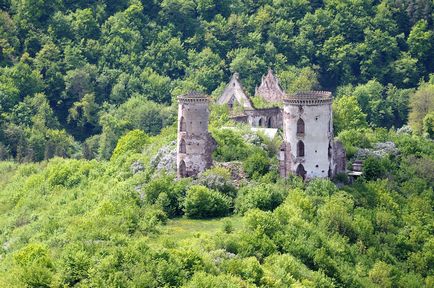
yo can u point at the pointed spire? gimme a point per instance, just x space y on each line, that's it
270 89
234 91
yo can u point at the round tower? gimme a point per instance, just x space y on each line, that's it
308 135
195 144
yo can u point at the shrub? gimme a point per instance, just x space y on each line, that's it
230 146
262 196
201 202
373 168
228 227
257 164
248 269
218 179
132 142
204 280
166 193
36 267
321 187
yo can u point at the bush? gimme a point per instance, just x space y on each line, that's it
201 202
262 196
166 193
373 168
257 164
230 146
218 179
132 142
204 280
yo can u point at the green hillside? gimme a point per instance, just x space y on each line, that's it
81 223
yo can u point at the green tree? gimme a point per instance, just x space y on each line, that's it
257 164
374 103
132 142
421 104
420 42
347 114
428 124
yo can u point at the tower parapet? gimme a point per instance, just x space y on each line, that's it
195 144
309 98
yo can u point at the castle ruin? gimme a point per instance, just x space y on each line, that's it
234 96
308 149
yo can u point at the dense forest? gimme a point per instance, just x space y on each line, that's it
88 194
76 75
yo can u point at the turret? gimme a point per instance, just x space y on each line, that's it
195 144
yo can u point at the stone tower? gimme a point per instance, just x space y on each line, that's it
308 147
195 144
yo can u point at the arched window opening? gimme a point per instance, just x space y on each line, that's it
300 127
182 169
231 102
300 149
270 123
301 172
260 123
182 125
182 147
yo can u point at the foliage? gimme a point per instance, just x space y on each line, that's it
230 145
421 105
133 142
93 223
347 114
257 164
201 202
218 179
262 196
91 58
77 76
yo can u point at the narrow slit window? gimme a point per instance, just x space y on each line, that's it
182 124
182 147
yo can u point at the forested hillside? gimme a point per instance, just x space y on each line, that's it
122 223
76 75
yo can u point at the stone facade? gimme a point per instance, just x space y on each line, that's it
270 89
195 144
309 149
234 94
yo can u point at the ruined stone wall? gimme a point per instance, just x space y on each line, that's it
266 117
195 144
316 140
339 157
